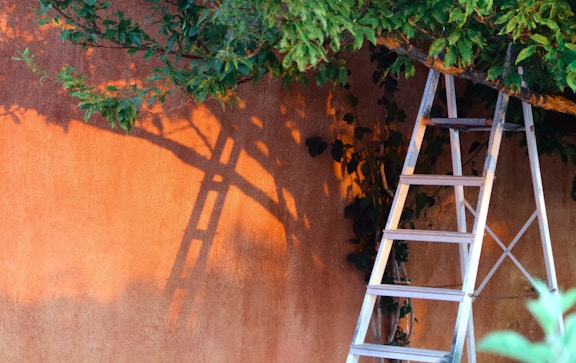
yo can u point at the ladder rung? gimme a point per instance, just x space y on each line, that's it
427 179
400 353
469 124
416 292
428 236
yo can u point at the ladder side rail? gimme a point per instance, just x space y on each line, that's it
408 169
395 211
539 196
459 203
465 308
538 188
420 127
456 162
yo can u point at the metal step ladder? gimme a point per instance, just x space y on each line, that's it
470 242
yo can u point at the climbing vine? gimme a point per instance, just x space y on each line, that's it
372 155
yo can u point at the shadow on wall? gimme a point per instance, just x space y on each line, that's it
84 329
259 262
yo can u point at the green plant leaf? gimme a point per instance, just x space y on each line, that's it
568 299
437 46
525 53
465 49
571 80
540 39
569 337
450 56
515 346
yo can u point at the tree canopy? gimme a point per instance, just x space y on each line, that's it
208 47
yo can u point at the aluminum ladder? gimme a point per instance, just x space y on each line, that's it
470 242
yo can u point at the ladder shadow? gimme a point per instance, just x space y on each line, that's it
194 246
185 280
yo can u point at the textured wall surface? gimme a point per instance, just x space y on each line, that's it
208 235
202 236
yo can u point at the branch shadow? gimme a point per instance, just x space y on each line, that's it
266 133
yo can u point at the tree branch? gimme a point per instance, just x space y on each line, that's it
546 101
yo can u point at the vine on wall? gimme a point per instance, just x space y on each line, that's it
372 154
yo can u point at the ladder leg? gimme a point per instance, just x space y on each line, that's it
395 211
552 281
459 202
369 300
469 282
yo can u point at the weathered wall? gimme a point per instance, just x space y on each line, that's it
204 235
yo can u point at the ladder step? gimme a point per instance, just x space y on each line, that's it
428 236
469 124
416 292
448 180
400 353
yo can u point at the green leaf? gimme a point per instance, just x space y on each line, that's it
450 57
547 309
571 80
457 17
476 37
465 49
515 346
540 39
454 37
525 53
568 300
437 46
495 71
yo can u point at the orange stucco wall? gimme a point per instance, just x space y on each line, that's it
205 235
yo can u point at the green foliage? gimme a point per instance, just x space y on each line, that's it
115 105
207 48
28 59
557 347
